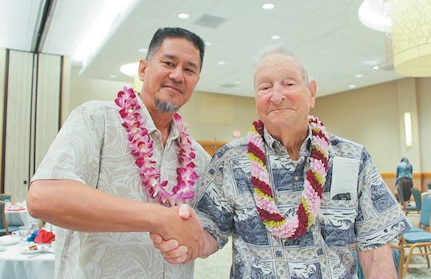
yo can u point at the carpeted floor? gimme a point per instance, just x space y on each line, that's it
217 266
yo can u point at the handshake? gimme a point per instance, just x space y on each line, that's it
183 240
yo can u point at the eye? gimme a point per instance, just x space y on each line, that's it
190 70
263 88
168 63
289 83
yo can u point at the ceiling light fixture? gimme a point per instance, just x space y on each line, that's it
183 15
130 69
411 40
375 14
268 6
275 37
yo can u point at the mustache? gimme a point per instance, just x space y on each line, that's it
174 85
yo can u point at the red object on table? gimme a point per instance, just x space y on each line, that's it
44 237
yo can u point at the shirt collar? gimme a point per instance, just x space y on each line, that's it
277 146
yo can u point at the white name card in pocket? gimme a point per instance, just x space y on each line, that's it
344 176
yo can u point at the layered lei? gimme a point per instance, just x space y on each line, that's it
141 146
317 169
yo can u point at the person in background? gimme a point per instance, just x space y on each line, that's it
118 170
294 197
404 180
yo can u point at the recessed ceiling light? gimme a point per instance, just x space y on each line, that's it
359 75
221 62
207 43
268 6
143 50
275 37
130 69
352 86
375 68
183 15
112 76
371 62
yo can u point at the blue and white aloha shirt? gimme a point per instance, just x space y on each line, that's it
368 216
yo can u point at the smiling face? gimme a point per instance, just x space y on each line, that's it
283 98
171 75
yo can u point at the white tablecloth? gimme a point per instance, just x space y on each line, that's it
14 264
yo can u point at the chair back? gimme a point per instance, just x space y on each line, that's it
424 220
417 196
3 222
5 197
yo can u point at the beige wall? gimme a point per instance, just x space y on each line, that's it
424 115
214 117
368 116
83 89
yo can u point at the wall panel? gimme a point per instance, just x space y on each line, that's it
3 72
17 139
47 104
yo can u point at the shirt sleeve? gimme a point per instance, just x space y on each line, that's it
74 153
212 201
380 218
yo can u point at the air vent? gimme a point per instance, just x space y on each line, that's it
209 21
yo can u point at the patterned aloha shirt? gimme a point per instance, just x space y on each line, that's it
366 214
92 148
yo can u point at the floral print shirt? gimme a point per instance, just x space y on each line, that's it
92 147
365 213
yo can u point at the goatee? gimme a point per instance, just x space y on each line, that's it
166 107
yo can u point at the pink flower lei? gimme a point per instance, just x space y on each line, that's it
141 146
308 209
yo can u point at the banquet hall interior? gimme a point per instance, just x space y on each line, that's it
372 67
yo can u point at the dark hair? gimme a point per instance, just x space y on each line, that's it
171 32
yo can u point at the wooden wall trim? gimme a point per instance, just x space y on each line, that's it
420 180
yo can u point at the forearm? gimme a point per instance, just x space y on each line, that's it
76 206
378 263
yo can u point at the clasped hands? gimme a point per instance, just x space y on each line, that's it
183 239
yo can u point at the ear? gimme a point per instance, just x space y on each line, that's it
313 90
142 67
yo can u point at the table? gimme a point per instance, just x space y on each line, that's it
14 263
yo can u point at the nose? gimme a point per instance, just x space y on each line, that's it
177 74
277 93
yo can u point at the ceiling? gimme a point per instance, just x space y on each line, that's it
337 50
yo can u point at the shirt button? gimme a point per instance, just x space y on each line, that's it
296 178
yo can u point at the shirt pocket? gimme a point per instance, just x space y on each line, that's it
337 221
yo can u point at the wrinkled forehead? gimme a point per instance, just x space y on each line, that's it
275 62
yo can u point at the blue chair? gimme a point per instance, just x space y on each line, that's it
5 197
418 201
4 228
418 240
